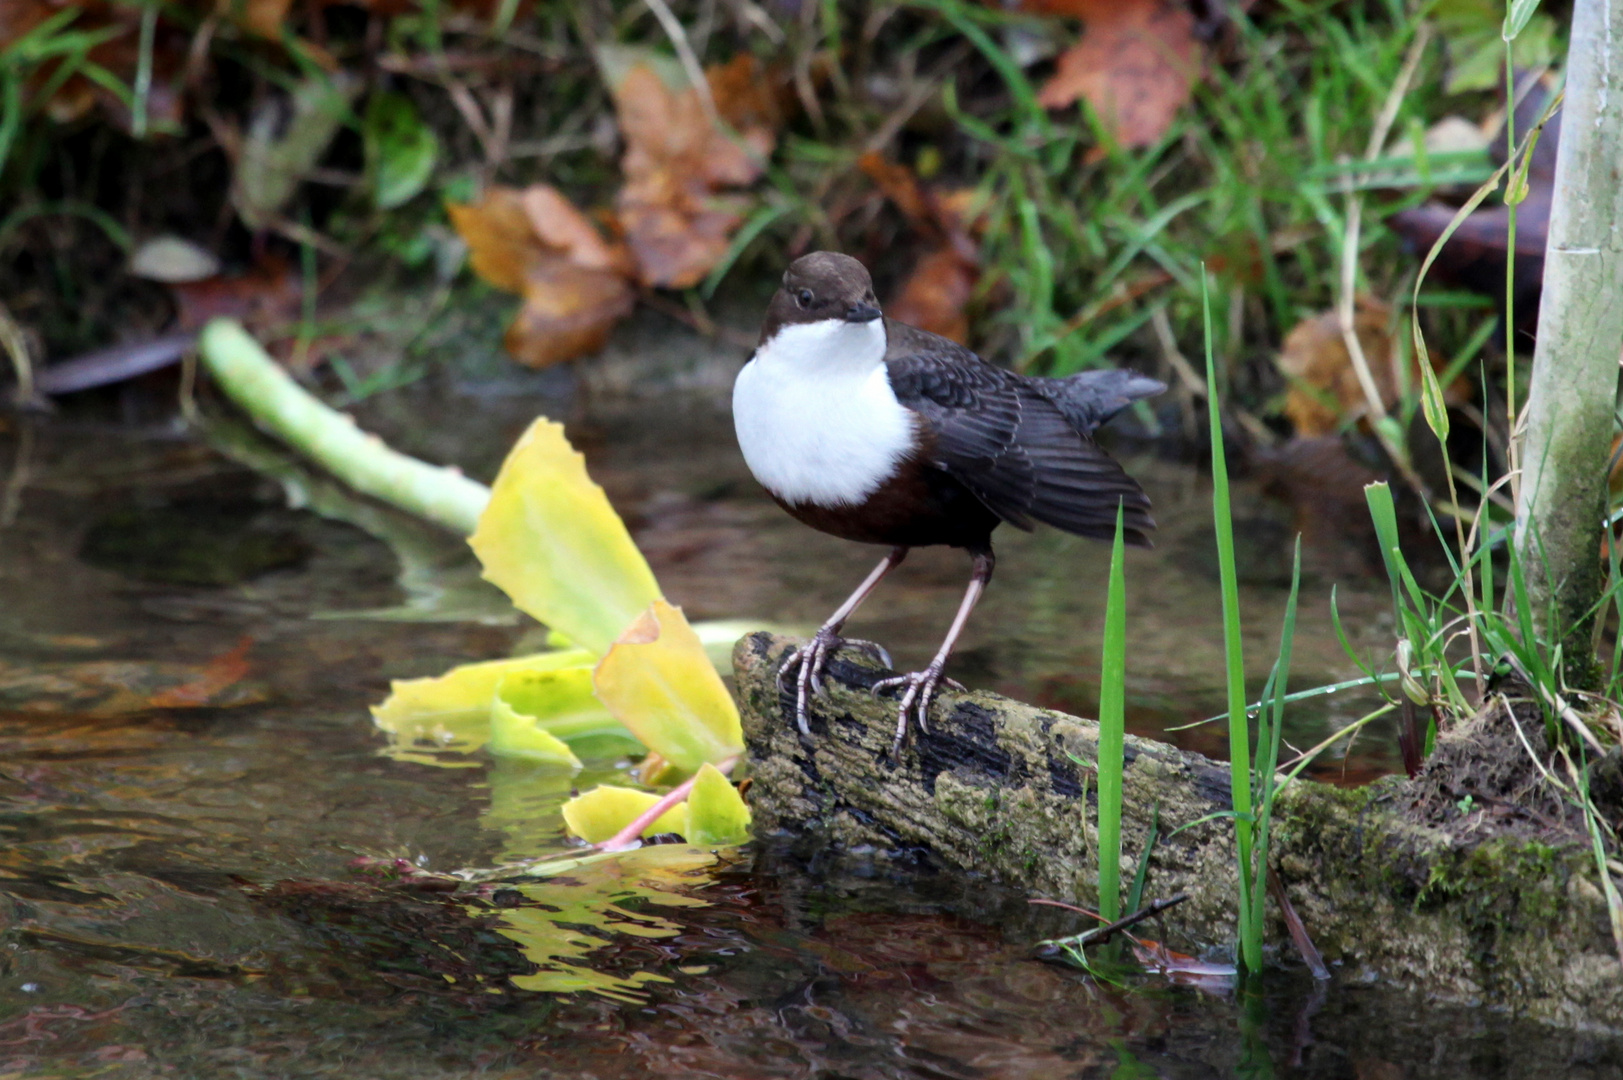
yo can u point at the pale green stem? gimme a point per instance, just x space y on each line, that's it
261 388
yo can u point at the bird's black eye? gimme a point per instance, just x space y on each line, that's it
804 298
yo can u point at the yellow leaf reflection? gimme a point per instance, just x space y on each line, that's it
550 540
524 802
602 894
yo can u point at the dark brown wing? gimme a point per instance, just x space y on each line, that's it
997 434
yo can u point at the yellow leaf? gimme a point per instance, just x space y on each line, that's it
522 735
605 810
657 681
716 812
452 711
550 540
562 703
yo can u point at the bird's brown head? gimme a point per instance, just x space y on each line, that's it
824 285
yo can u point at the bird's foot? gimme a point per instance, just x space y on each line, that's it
807 664
922 687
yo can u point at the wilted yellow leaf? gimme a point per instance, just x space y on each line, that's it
602 812
452 711
550 540
522 735
716 812
657 681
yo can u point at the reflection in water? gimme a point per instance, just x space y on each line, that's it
177 894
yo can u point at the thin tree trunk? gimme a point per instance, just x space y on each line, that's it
1580 337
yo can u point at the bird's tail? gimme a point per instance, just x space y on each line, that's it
1090 398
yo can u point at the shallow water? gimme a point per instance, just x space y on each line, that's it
188 772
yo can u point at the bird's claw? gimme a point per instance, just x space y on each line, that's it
922 688
808 664
878 651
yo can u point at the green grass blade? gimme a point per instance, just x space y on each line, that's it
1239 728
1112 731
1135 897
1269 734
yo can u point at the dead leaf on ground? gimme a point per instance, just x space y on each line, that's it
936 294
1324 386
535 243
678 164
1136 64
265 297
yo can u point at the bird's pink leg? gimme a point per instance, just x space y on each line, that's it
922 685
811 659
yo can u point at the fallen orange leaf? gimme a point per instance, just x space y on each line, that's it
1135 65
534 242
1324 385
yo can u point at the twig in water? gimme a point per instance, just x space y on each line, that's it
1101 934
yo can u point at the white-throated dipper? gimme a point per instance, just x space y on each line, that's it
882 433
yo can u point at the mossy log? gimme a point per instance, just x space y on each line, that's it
995 790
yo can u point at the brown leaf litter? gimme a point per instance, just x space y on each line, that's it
1324 386
1135 65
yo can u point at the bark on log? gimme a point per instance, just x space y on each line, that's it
995 790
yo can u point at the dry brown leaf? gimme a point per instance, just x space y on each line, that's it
901 186
558 224
936 295
677 162
501 241
262 18
1135 64
1324 386
568 312
265 298
534 242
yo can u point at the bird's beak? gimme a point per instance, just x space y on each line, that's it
861 313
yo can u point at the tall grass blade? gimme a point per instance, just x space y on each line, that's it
1112 729
1135 895
1270 728
1239 727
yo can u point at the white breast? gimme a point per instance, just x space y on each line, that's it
815 414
